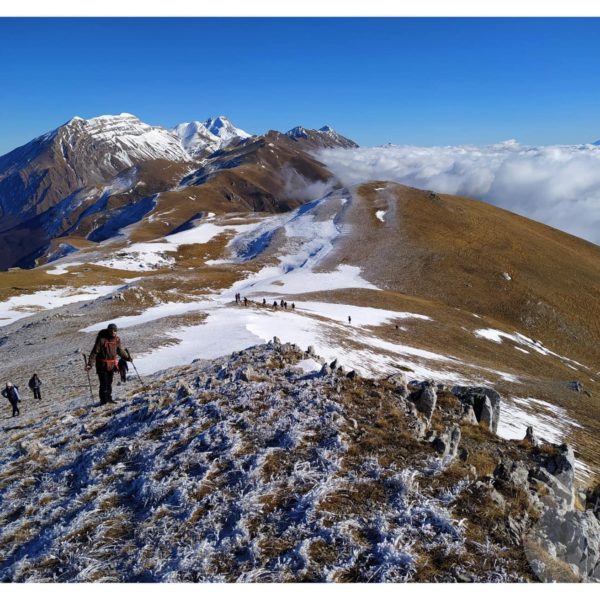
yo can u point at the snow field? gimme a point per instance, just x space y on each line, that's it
19 307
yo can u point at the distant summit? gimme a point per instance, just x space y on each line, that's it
200 139
325 137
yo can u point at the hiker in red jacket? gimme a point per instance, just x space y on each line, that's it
106 352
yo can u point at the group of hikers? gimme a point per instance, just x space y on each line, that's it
107 356
282 303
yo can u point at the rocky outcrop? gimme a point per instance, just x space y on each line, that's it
484 401
425 398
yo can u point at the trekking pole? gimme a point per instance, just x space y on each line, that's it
88 377
136 371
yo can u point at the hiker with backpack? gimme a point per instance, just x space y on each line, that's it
11 393
35 383
106 352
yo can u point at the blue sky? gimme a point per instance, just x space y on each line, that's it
406 81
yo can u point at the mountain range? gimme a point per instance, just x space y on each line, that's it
73 179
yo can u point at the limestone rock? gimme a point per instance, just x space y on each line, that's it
485 411
425 399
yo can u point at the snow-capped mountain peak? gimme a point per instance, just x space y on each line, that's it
297 132
224 129
123 139
205 138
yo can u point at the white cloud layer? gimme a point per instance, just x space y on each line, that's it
556 185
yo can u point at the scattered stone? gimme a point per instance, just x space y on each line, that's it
351 375
476 397
247 373
446 443
530 436
425 399
576 386
183 390
325 370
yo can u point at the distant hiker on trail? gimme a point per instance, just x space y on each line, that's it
105 353
245 301
275 304
285 305
11 393
349 320
35 383
264 302
293 306
282 304
123 368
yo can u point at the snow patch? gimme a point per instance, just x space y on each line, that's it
19 307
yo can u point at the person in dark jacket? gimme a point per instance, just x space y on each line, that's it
35 383
105 354
123 368
11 393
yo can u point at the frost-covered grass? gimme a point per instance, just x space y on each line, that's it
243 469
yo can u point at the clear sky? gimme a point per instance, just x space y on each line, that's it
407 81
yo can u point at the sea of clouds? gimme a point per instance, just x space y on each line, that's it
556 185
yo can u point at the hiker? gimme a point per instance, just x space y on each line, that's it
123 368
285 305
105 352
282 304
35 384
264 302
293 306
275 304
11 393
245 301
349 320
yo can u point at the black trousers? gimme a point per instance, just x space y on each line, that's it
37 394
15 407
105 378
